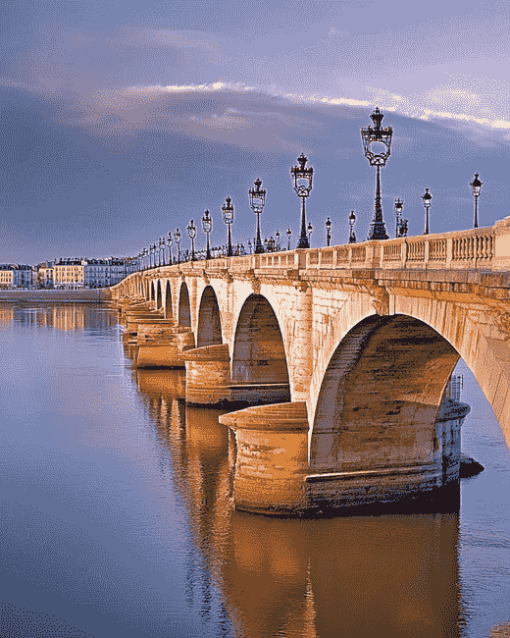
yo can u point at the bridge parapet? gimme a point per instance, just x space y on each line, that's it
479 248
483 249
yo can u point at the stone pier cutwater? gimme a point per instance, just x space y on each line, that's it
343 357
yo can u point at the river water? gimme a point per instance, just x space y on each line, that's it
116 514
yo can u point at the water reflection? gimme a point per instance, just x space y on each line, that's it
139 478
67 317
392 575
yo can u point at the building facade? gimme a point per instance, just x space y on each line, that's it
91 273
15 276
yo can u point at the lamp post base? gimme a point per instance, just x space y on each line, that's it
378 231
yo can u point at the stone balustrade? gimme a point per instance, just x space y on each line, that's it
477 248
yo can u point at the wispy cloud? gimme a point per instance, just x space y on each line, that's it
423 106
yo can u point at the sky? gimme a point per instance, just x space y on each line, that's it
123 120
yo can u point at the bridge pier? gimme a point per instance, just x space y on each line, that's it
134 318
209 382
160 343
273 475
207 374
271 458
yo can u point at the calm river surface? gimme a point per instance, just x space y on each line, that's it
116 515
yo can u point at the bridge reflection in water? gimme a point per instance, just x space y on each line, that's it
394 575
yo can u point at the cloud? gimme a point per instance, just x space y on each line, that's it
416 107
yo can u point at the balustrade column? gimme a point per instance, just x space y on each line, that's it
426 252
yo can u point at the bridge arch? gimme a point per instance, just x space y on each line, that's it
169 311
380 395
184 306
259 351
159 297
209 321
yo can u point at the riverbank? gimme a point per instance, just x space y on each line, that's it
55 296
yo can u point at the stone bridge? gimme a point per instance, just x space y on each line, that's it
344 354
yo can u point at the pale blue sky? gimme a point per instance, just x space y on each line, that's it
122 120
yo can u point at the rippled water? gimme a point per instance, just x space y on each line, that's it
116 514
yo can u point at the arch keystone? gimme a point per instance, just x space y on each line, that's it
256 286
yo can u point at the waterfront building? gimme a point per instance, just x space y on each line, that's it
117 270
15 276
44 275
69 273
95 273
77 272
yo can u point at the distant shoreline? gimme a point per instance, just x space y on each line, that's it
98 295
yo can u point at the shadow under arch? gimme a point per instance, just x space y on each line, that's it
184 307
381 397
159 297
209 321
259 352
152 293
169 311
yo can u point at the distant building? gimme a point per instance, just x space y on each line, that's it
15 276
69 273
77 272
45 275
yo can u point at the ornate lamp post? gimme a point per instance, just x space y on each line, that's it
151 259
476 187
169 242
278 239
257 197
302 177
192 233
328 231
178 238
271 245
161 251
426 202
289 235
400 222
380 136
250 246
207 227
228 217
309 230
352 234
399 205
